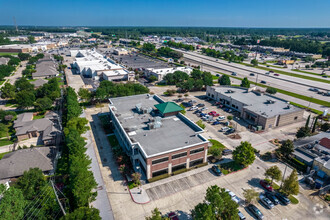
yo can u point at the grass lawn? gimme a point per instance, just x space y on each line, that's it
132 185
216 145
2 81
271 65
229 167
293 200
215 77
306 98
288 74
38 116
113 141
301 71
7 53
3 154
5 142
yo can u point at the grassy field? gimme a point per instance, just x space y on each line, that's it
5 142
306 98
301 71
7 53
3 154
288 74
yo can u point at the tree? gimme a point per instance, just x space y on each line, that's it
217 205
254 62
84 94
100 94
325 127
156 215
43 104
207 79
23 56
216 152
274 173
291 184
314 124
286 148
244 154
271 90
307 121
148 47
8 91
83 213
25 99
31 182
152 78
79 124
224 80
23 84
250 195
245 83
303 132
12 204
196 74
229 117
31 39
136 178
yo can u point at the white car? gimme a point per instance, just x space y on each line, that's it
204 108
224 129
220 118
266 201
193 108
233 196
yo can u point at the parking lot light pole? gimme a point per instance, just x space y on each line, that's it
286 166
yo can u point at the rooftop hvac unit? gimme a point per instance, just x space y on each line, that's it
145 110
151 126
138 107
158 119
157 124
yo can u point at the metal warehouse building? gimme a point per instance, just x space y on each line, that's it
256 108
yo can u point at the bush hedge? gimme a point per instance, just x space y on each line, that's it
163 176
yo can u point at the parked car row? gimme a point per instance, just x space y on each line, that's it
324 93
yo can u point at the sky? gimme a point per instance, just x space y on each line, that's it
208 13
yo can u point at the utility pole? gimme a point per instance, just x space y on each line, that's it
286 166
57 198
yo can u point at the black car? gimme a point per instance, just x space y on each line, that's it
216 170
272 197
227 152
262 81
230 131
255 211
200 105
251 74
283 198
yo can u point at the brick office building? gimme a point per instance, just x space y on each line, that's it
155 135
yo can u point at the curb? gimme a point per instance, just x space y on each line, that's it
141 203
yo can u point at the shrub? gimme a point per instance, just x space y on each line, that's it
163 176
201 124
180 171
293 200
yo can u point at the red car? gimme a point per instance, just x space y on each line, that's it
214 114
173 216
276 74
266 185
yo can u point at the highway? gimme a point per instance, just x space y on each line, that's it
288 83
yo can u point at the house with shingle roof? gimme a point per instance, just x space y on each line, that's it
43 129
14 164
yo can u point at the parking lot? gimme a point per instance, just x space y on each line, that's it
137 61
260 141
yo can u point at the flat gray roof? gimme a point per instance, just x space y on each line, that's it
258 103
174 133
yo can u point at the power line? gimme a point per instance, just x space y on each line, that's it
43 190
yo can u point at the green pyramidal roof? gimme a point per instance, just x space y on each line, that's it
167 107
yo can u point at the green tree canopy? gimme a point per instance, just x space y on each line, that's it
31 182
43 104
250 195
12 204
156 215
245 83
303 132
286 148
271 90
254 62
291 184
83 213
224 80
8 91
25 99
85 94
23 56
274 173
244 154
217 205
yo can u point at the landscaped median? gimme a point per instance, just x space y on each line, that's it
302 97
288 74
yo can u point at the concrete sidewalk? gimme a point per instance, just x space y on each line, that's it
139 195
